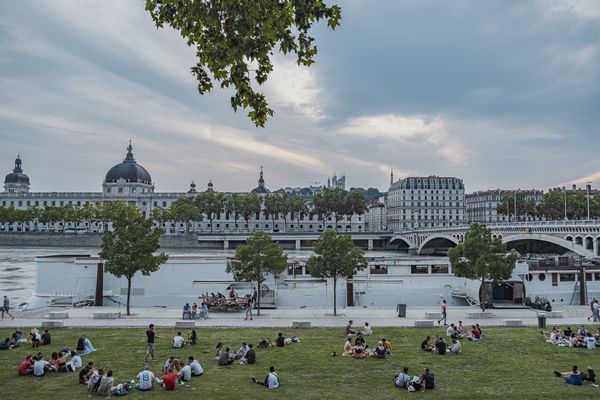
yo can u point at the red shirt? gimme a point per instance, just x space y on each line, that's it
170 381
444 308
23 367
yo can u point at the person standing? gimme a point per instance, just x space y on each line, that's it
249 306
151 336
6 308
444 316
595 310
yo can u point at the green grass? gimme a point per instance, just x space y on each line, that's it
509 363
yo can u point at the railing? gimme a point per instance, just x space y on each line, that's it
517 224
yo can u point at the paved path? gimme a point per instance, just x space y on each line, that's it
377 317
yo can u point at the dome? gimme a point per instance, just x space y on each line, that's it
128 170
261 189
17 176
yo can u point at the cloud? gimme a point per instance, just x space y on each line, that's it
409 130
580 8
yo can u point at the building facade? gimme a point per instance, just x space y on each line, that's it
376 218
482 207
130 182
425 202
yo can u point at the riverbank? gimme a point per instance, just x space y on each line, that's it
46 239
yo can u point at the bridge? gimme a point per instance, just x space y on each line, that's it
581 237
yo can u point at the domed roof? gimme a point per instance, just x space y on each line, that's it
261 189
128 170
17 176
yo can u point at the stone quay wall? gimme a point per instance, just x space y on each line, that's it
29 239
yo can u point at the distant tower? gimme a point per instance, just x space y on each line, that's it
192 188
16 181
261 189
328 182
210 188
391 176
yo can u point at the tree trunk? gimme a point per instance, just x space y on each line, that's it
258 299
128 294
211 224
334 296
483 295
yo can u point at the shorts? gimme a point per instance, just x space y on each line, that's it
150 347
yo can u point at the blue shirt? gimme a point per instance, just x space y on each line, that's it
575 379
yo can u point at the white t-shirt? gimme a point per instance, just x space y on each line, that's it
93 379
196 368
590 342
178 341
596 307
449 331
186 373
38 367
273 380
145 377
455 348
402 380
76 360
367 331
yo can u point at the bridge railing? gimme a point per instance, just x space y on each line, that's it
508 225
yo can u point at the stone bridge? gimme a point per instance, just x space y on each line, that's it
560 237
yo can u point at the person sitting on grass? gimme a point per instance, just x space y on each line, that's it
106 387
40 366
403 379
581 331
35 337
380 350
46 338
425 382
589 376
567 332
17 338
425 345
218 350
86 372
250 355
178 341
450 330
359 352
225 358
168 364
475 333
186 373
241 353
359 341
440 346
94 380
271 380
169 380
388 346
348 347
61 362
461 330
195 366
193 337
6 344
576 341
455 347
367 331
349 330
589 341
146 378
87 344
75 361
26 367
572 377
80 346
280 341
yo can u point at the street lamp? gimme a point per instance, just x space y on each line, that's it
588 186
565 193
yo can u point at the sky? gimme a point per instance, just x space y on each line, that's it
503 94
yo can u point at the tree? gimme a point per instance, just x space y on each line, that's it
256 258
128 248
212 204
482 258
233 206
298 208
186 211
250 206
234 40
336 257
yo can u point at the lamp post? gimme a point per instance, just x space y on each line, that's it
565 193
515 196
588 186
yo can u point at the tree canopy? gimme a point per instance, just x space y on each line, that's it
129 247
336 257
482 258
235 40
256 258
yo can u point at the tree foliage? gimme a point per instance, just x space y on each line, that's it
129 247
255 259
235 40
482 258
336 257
337 203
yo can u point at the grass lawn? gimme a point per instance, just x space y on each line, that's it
509 363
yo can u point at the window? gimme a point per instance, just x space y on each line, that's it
588 276
542 277
120 190
439 269
567 277
378 269
528 277
294 269
597 276
419 269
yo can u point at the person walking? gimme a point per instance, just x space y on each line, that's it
249 306
151 336
444 315
6 308
596 311
592 308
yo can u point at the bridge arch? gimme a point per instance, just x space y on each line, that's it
400 242
566 245
434 242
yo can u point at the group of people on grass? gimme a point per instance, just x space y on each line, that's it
245 354
420 383
459 331
440 346
575 377
581 338
360 348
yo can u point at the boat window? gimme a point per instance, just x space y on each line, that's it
378 269
294 269
439 269
567 277
542 277
419 269
597 276
528 277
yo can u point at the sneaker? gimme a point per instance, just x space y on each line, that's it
438 322
557 373
253 380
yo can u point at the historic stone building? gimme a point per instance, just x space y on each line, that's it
482 207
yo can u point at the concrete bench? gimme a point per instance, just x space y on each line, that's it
433 315
555 314
300 324
479 315
52 324
513 322
107 315
424 323
185 324
58 315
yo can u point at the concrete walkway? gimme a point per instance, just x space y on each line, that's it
377 317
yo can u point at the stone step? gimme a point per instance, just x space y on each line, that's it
424 323
433 315
185 324
479 315
513 322
107 315
58 315
300 324
52 324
